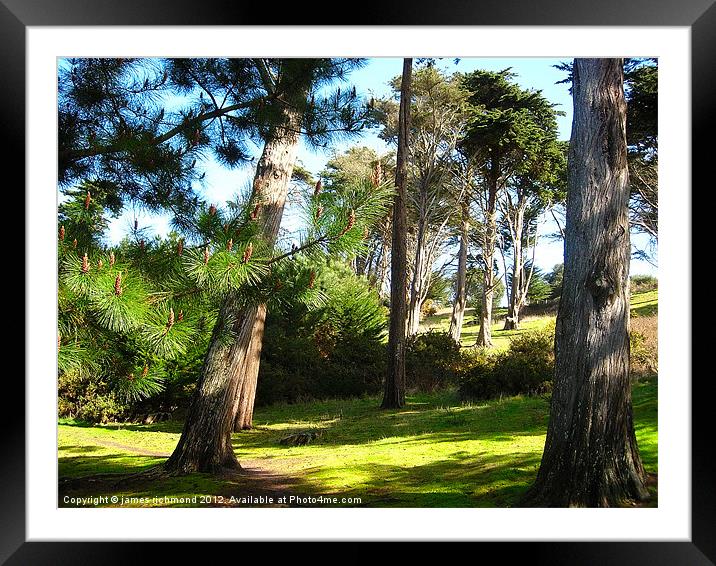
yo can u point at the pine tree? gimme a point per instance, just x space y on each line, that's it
228 381
128 314
148 155
114 308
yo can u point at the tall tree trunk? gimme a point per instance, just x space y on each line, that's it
270 182
484 337
416 286
384 255
512 321
205 443
458 308
394 394
591 456
244 405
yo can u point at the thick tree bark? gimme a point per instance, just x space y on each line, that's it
247 396
591 456
394 394
458 308
205 443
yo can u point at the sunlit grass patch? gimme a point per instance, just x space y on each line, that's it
435 452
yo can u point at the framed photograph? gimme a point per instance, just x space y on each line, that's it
39 37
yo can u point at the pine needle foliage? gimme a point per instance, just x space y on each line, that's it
129 313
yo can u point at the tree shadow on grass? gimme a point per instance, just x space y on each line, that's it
82 449
171 426
466 478
465 481
498 420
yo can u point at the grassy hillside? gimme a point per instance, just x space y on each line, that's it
642 305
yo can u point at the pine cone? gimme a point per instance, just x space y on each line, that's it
118 284
248 253
170 320
351 222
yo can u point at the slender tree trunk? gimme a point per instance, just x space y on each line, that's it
384 255
205 443
591 456
416 286
512 321
484 337
270 183
458 308
394 395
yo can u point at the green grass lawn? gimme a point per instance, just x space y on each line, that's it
435 452
645 304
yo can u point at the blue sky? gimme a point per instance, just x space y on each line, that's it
221 184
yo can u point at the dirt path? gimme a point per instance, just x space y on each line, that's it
255 479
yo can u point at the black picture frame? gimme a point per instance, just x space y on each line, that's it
699 15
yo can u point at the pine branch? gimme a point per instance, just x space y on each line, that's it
79 154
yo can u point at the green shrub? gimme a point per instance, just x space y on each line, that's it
85 398
526 367
431 361
476 375
429 308
643 283
335 351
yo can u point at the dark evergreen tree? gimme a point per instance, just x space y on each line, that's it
641 78
117 131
